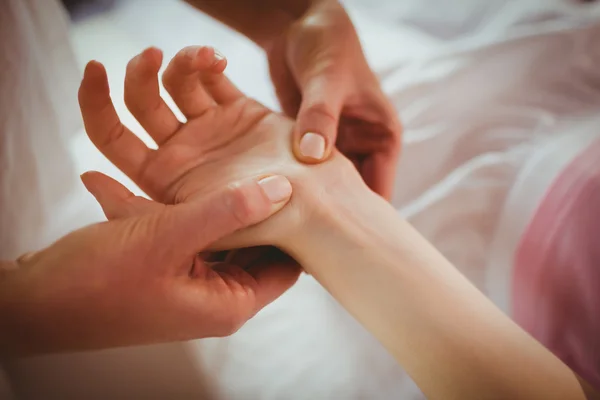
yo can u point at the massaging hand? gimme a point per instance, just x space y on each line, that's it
138 279
322 79
227 137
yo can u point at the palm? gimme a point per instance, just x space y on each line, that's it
197 158
221 142
227 137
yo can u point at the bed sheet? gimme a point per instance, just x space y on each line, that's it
479 85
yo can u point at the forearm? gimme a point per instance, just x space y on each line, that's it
32 321
261 20
452 340
10 303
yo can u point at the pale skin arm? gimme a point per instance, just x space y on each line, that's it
447 335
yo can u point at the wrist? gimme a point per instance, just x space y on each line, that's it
283 18
279 23
336 217
14 305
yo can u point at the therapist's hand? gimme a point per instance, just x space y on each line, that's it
322 78
141 278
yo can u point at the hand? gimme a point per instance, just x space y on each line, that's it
322 78
138 279
227 137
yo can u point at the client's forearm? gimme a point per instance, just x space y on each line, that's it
259 20
452 340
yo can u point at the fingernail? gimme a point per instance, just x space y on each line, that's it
312 145
218 55
26 257
277 188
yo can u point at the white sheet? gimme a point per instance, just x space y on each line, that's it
33 129
480 86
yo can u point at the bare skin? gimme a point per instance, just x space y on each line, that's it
138 279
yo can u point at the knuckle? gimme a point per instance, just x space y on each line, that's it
167 77
320 111
113 135
242 205
230 325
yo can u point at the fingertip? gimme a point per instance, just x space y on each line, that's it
94 70
144 65
219 66
311 147
210 58
187 58
152 57
253 200
153 54
276 188
94 84
88 175
87 178
219 61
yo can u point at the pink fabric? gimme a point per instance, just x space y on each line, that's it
556 282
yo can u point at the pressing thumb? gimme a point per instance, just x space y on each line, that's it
318 118
194 226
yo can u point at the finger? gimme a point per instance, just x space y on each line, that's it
143 99
286 87
379 172
115 199
248 293
273 275
318 118
267 278
103 126
182 79
379 169
212 66
193 227
246 256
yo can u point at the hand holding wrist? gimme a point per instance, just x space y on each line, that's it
138 279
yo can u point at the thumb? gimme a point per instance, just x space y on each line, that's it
115 199
318 118
192 227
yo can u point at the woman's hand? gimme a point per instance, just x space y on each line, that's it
227 137
322 78
139 279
